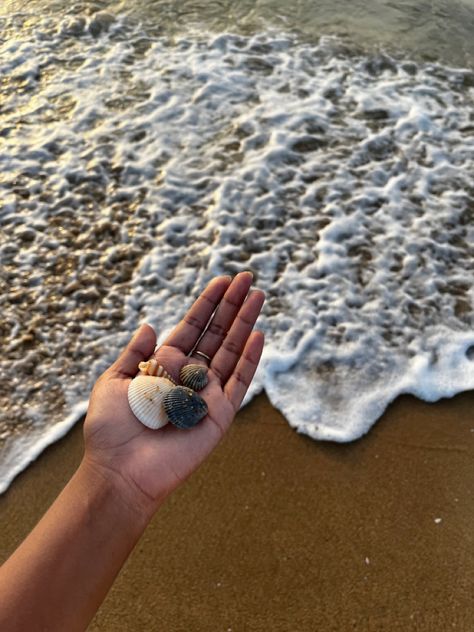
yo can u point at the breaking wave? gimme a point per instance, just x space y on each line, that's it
134 168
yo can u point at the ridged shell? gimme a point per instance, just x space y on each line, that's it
184 407
194 376
152 367
145 396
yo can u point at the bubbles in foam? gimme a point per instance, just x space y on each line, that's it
133 173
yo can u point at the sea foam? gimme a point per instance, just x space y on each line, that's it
135 168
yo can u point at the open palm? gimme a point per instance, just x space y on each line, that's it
149 464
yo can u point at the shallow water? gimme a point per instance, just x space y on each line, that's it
421 29
141 158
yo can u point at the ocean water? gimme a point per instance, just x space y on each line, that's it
147 148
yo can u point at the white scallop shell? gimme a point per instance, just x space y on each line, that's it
145 396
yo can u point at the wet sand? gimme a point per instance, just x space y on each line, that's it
277 532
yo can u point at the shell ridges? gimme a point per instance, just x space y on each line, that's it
145 396
184 407
153 367
194 376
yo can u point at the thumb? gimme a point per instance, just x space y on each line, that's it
140 348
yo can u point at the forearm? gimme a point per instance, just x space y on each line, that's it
59 576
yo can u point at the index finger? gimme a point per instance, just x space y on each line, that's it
187 332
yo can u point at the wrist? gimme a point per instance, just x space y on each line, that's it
107 491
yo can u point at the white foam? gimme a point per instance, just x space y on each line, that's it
344 182
24 449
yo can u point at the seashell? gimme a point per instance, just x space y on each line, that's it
152 367
145 396
184 407
194 376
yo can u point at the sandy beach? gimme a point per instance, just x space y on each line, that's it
327 147
278 532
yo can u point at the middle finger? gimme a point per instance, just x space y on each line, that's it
222 320
227 357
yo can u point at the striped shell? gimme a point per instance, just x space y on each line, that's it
145 396
184 407
194 376
152 367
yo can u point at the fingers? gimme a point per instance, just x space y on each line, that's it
227 356
185 335
240 379
225 315
139 348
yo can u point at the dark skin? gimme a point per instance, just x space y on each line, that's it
156 462
128 470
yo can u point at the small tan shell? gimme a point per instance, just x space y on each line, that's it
145 396
152 367
194 376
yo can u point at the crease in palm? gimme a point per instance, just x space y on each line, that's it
219 324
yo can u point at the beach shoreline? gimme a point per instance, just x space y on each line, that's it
276 531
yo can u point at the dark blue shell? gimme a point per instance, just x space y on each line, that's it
184 408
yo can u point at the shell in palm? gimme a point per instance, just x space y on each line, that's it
153 367
145 396
194 376
184 408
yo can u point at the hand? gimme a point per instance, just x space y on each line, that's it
146 465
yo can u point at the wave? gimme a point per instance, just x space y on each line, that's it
135 168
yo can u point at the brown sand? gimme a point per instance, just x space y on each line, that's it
276 532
